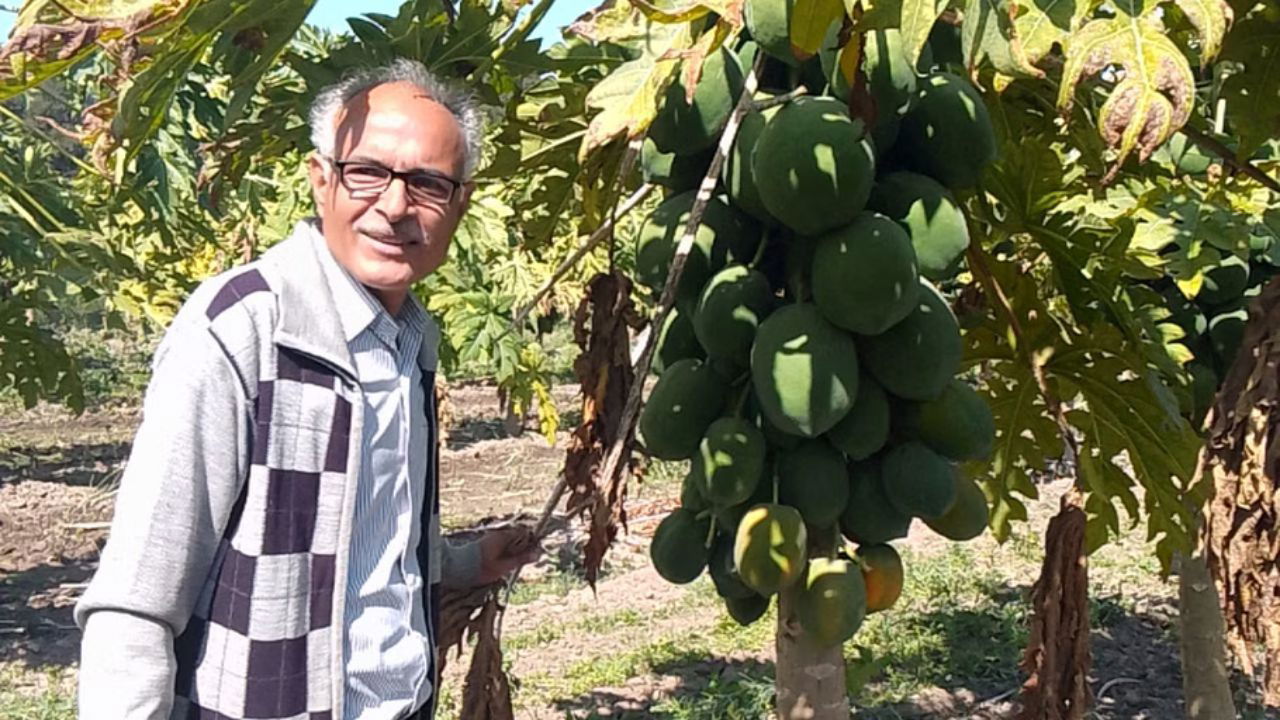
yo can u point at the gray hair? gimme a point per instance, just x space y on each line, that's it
329 102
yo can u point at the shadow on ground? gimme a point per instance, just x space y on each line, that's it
689 686
956 663
36 627
75 465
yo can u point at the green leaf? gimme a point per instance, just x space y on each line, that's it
1156 95
1253 95
988 33
917 19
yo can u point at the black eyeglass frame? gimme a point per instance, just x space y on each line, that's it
342 165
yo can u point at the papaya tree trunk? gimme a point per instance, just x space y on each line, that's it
1206 685
1058 656
1241 465
810 679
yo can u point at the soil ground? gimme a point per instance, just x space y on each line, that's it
636 646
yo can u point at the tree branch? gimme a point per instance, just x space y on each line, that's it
1229 158
600 234
978 266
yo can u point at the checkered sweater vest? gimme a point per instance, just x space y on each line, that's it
265 637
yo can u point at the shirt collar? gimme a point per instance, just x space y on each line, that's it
358 309
316 293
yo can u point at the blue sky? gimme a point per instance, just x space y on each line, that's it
333 13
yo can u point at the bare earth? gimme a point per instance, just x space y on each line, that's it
624 650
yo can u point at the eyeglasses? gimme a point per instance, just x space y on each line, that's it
424 187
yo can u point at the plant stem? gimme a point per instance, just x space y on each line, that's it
1217 148
601 233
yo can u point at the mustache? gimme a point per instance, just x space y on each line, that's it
408 233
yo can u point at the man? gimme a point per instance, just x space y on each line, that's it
276 548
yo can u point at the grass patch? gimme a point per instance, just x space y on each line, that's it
747 696
662 478
553 584
958 624
35 695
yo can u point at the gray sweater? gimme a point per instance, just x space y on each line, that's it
221 590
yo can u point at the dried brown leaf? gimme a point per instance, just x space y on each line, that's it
1241 530
486 693
602 330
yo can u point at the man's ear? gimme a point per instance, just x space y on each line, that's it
317 169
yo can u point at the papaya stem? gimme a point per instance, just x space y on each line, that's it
740 404
764 243
766 103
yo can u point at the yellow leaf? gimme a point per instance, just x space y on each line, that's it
1155 96
660 12
1040 24
1190 286
665 11
628 98
809 22
1211 19
694 59
918 17
850 58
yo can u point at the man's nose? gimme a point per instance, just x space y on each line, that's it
394 201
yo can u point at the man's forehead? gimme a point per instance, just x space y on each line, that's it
395 108
396 98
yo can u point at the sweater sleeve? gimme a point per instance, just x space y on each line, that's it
188 462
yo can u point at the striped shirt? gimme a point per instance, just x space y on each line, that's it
387 652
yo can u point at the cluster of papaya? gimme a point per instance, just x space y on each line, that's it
808 368
1213 322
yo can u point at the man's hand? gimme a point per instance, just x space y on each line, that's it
504 550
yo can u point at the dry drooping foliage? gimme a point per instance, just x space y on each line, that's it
1242 520
1057 657
602 330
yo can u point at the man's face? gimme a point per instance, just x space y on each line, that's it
391 239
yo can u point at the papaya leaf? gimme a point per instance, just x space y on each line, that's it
1183 232
1027 440
1211 19
628 98
664 12
617 22
1041 24
915 19
810 20
988 33
1155 97
1132 434
874 14
916 22
109 9
1253 95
